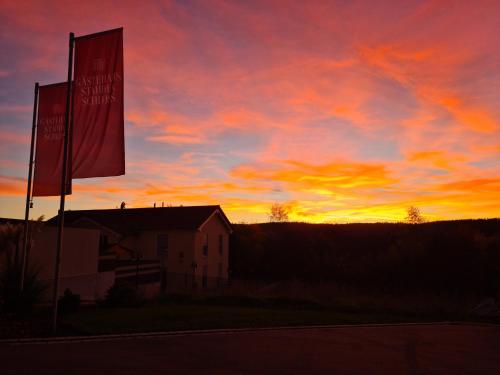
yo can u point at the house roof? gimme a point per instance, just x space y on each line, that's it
5 220
132 220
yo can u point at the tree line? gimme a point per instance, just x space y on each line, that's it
443 257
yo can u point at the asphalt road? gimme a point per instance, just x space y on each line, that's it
411 349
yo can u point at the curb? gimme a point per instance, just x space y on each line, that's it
131 336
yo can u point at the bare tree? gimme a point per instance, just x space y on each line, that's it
414 216
278 213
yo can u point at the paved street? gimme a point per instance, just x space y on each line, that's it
417 349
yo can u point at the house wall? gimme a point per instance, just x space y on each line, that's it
79 259
185 248
214 261
176 262
178 241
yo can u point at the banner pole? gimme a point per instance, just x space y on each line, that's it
60 231
28 193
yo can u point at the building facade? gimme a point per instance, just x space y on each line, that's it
167 249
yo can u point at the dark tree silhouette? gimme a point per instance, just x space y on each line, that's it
459 257
414 216
278 213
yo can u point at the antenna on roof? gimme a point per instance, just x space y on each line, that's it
154 205
122 205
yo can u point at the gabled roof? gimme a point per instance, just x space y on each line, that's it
133 220
5 220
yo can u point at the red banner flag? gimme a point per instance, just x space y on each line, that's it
98 133
50 141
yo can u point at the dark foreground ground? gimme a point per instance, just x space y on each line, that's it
404 349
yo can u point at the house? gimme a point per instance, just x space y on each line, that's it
169 249
78 266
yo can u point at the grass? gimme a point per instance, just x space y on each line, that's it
173 317
188 313
192 312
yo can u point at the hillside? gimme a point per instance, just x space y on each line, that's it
449 257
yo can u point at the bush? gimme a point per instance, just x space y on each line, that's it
122 294
69 303
11 299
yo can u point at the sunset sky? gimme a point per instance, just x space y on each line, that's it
345 111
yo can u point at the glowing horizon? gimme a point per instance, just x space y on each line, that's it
343 112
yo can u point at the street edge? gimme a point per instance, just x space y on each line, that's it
129 336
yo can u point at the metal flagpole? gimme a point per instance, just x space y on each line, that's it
28 194
63 185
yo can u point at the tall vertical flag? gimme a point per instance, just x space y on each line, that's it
50 141
80 128
98 148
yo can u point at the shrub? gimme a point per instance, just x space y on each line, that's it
11 298
69 303
122 294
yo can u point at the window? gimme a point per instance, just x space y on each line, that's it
162 244
221 244
219 275
103 243
204 280
205 247
163 279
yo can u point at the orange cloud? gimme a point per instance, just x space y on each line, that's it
13 137
335 175
439 159
12 186
474 186
176 138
